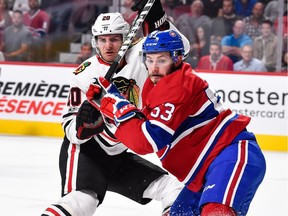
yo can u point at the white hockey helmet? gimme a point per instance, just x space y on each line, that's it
110 23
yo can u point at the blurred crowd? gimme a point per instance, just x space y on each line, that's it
231 35
239 35
38 30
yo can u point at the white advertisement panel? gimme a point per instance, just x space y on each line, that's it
38 93
33 93
262 97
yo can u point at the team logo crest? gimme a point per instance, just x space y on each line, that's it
81 68
172 34
128 88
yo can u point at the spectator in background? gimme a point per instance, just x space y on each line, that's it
128 14
82 17
212 7
10 4
38 21
21 5
253 22
265 46
223 24
5 18
216 60
16 39
243 8
231 44
85 53
203 38
248 63
202 43
56 8
187 24
265 2
57 39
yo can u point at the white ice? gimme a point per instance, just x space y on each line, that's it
30 181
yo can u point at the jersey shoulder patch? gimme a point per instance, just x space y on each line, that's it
82 67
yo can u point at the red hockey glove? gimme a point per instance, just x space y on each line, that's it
89 121
97 89
94 93
116 107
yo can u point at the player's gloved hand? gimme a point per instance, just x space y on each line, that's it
116 107
97 89
95 93
89 121
156 15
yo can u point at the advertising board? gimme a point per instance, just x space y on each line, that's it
32 99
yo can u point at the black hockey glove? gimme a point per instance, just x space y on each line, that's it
89 121
156 16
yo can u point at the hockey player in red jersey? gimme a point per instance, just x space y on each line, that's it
200 141
92 160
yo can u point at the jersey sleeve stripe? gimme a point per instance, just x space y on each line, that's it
187 132
148 137
157 134
192 123
163 126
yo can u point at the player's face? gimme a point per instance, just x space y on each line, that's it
109 45
159 65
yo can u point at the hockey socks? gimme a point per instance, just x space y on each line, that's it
56 210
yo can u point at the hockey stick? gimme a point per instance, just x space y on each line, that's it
128 40
96 100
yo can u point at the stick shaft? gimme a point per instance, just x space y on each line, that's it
128 40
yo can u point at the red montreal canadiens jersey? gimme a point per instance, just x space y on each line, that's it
186 124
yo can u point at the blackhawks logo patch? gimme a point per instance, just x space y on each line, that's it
128 88
81 68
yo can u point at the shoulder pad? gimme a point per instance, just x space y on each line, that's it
82 67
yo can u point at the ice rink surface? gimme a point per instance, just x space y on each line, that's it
30 181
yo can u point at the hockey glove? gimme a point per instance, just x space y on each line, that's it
114 106
154 19
97 89
89 121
